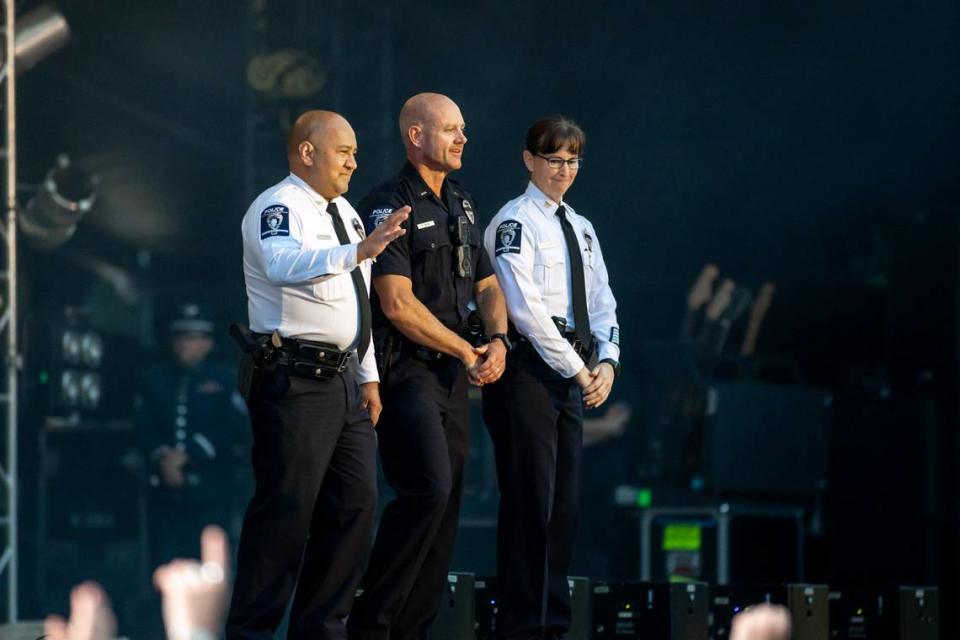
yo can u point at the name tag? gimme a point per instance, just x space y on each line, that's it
547 244
427 224
323 236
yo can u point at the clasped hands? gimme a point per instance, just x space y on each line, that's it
488 364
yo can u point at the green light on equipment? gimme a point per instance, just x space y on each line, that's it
644 498
44 377
681 537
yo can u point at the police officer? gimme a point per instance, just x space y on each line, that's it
306 264
562 312
190 424
424 284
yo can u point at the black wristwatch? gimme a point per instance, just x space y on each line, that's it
613 363
504 338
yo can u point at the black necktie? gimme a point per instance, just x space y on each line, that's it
581 319
359 286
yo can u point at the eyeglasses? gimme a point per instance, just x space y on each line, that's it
555 162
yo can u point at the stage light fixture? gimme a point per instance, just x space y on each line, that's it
91 349
70 344
52 215
40 33
69 388
90 390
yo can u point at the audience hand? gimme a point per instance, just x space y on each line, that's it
91 617
195 593
761 622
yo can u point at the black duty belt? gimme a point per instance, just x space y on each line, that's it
422 353
584 351
309 359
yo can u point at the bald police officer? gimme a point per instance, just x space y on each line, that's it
424 284
306 263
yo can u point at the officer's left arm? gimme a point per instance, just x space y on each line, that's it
493 310
602 308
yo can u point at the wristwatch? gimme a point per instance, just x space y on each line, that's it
504 338
613 363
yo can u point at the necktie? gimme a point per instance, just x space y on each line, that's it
581 319
358 284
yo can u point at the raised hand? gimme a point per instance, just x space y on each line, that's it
761 622
195 593
91 617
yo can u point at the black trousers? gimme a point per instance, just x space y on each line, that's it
309 523
535 418
424 441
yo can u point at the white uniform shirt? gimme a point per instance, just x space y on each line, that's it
298 274
529 253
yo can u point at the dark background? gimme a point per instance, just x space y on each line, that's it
812 144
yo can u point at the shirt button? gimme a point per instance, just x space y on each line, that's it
181 421
181 434
182 409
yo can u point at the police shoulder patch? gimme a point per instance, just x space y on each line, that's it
509 235
378 215
274 221
615 335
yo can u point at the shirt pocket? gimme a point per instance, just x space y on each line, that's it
431 254
550 269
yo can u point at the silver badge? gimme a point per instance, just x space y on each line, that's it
468 209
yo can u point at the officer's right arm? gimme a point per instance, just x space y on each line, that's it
276 234
415 321
513 264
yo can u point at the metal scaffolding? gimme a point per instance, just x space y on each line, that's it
8 317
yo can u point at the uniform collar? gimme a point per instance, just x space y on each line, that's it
420 188
543 201
318 199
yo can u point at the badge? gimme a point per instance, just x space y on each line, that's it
509 235
359 228
274 221
468 209
379 214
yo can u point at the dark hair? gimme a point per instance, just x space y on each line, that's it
554 133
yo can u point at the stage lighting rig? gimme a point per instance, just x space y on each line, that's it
67 358
52 215
40 33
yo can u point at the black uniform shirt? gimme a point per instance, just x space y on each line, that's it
425 253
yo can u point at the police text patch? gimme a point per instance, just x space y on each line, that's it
508 237
379 214
274 221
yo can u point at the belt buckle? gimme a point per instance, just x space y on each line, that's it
428 355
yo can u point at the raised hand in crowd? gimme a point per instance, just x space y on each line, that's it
761 622
91 616
195 593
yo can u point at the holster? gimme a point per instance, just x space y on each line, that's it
251 371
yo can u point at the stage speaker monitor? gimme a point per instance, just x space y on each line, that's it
486 600
667 611
919 613
809 610
581 612
457 612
